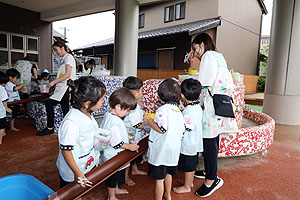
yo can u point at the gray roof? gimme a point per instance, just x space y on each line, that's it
192 28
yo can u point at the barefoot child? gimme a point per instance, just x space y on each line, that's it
3 104
134 124
121 101
13 94
165 139
191 143
77 155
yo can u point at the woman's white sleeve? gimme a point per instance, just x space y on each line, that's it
208 69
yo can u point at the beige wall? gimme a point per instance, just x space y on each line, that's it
239 47
238 35
197 10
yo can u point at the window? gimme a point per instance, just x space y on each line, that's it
141 20
169 13
16 46
180 11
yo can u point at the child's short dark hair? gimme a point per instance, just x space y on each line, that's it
44 75
12 72
3 78
169 90
191 89
132 83
86 88
124 97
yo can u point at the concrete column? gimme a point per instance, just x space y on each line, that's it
282 96
126 38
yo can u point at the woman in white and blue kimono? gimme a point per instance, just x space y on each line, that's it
215 77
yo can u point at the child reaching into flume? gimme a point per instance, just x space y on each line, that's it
191 142
164 143
77 156
120 102
13 94
134 124
3 104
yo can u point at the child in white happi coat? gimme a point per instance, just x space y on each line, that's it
3 104
13 93
164 144
77 155
134 124
191 142
121 101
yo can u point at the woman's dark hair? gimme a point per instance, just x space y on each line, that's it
61 44
89 62
191 89
132 83
3 78
169 90
209 44
86 88
12 72
124 97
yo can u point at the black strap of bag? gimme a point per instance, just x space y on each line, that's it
222 104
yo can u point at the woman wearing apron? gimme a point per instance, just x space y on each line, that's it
66 71
215 77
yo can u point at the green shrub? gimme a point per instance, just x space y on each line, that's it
261 84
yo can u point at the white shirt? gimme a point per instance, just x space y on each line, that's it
164 148
192 139
119 135
62 87
77 131
12 94
3 97
134 119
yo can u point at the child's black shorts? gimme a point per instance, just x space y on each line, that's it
187 163
3 123
117 178
15 110
160 172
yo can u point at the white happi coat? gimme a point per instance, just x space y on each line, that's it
164 148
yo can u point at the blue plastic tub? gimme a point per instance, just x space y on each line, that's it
23 187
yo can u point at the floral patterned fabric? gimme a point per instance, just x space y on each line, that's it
24 67
37 110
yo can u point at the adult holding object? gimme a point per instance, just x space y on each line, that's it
214 77
66 71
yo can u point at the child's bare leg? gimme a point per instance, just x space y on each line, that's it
128 180
121 191
111 193
12 125
136 171
158 189
1 135
188 181
168 185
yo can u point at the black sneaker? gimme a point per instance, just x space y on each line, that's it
200 174
205 191
46 131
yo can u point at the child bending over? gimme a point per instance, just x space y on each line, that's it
191 143
165 139
120 101
77 156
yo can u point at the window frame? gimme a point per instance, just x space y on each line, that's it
141 25
171 13
182 4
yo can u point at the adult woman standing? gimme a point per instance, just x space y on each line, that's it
28 72
66 71
215 78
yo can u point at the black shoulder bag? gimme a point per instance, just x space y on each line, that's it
222 105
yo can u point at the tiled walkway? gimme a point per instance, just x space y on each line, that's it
275 175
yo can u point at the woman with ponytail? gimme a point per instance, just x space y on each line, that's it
77 155
66 71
